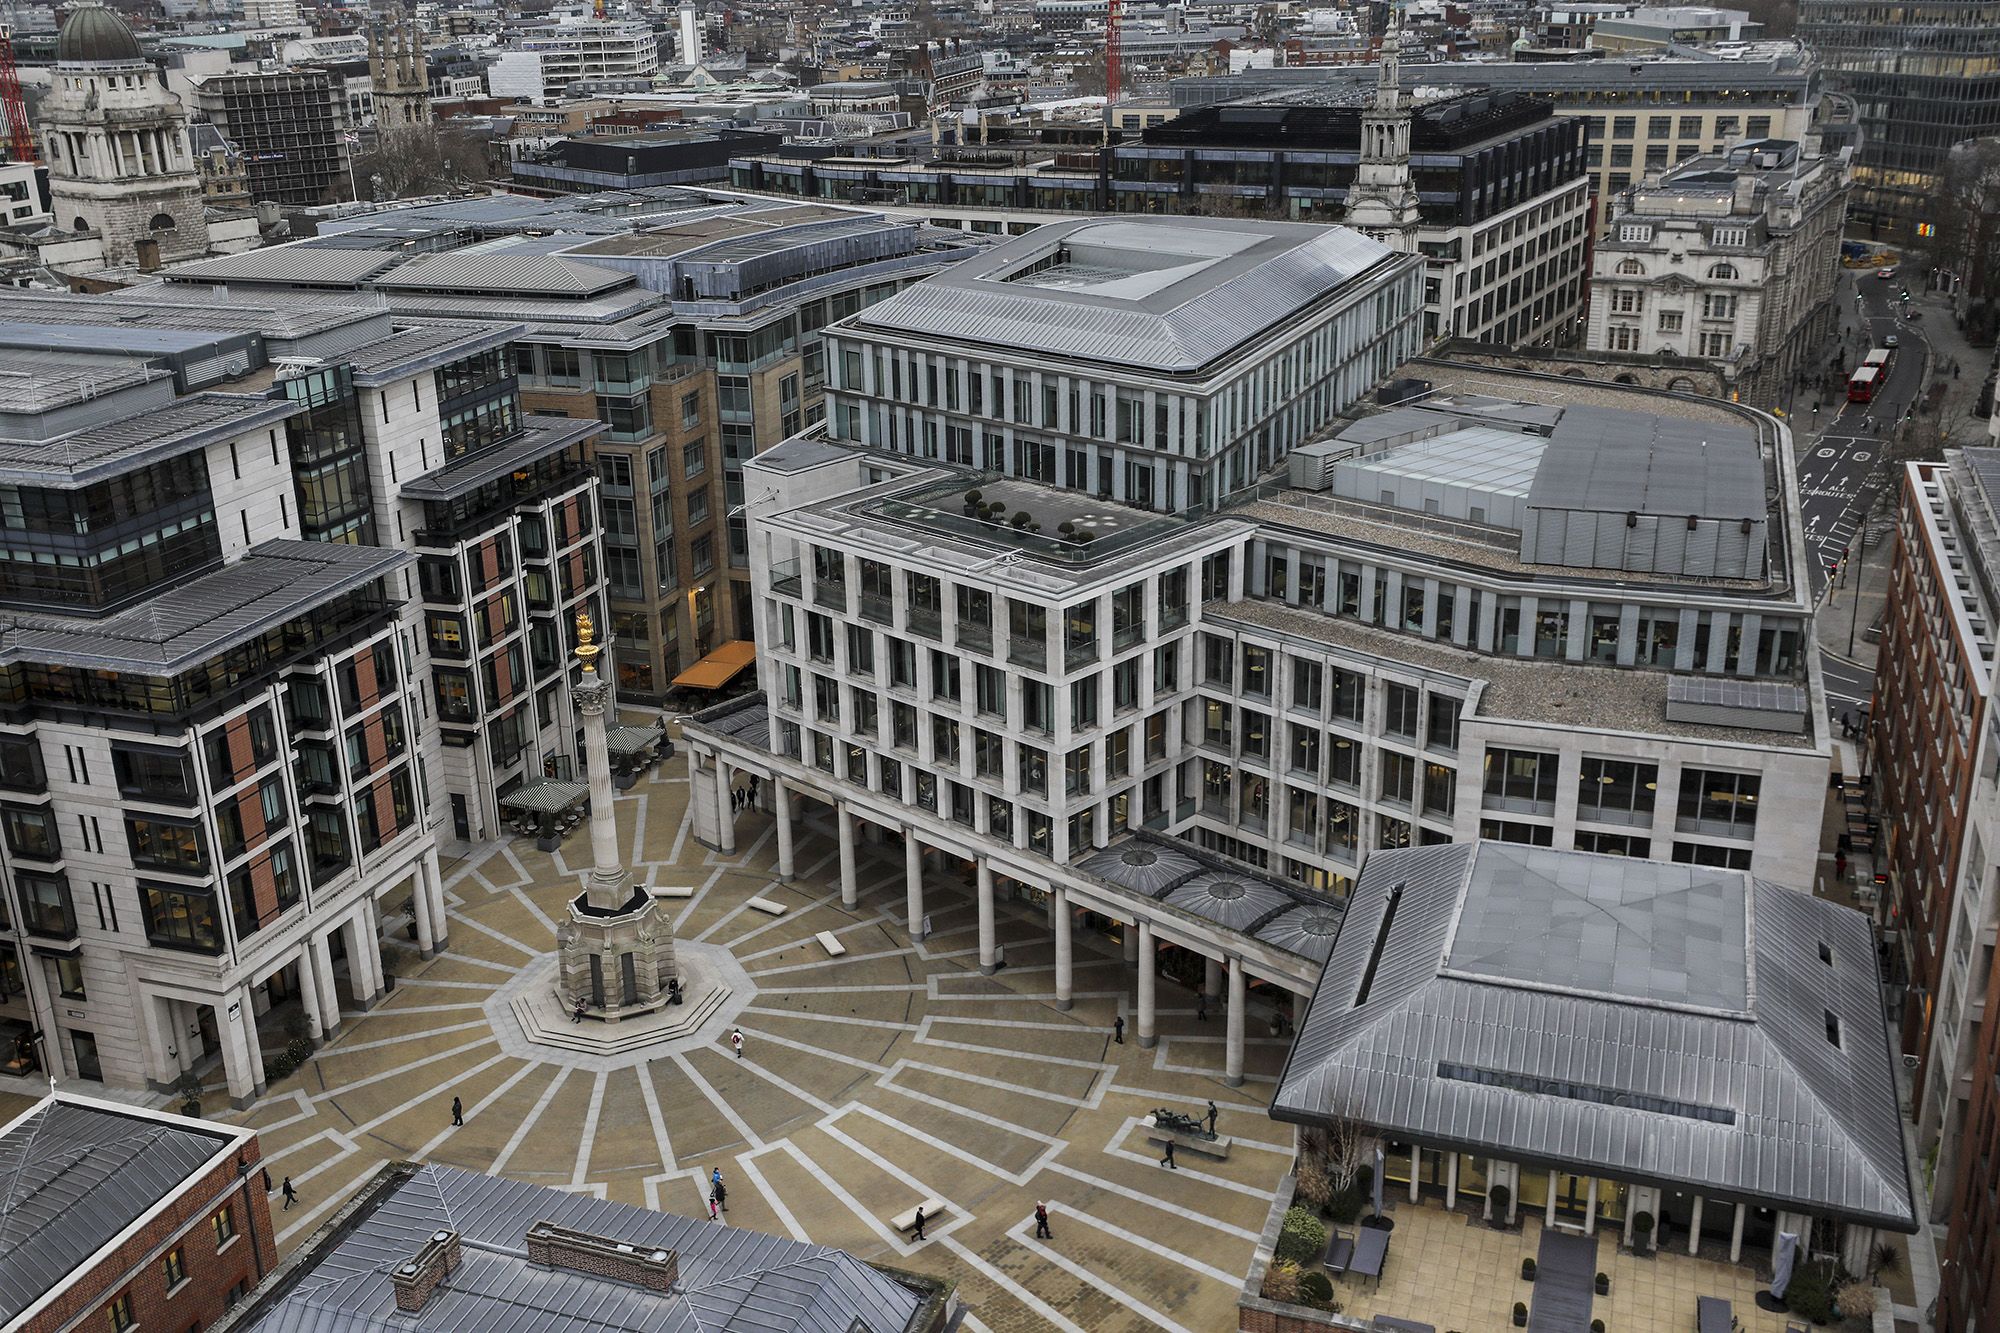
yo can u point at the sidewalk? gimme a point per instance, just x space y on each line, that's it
1961 390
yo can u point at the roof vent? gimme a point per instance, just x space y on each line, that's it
601 1256
416 1278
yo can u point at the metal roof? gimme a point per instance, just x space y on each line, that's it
75 1175
540 436
1172 295
731 1278
96 452
197 619
1602 460
1596 1012
300 264
510 273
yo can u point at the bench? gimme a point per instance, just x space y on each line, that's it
766 906
671 890
831 943
907 1219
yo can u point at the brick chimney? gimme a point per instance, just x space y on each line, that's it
417 1278
601 1256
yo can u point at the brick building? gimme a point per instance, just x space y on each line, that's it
126 1218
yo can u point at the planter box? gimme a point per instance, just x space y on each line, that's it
1217 1147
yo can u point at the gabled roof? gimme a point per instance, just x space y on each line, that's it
1657 1022
1173 295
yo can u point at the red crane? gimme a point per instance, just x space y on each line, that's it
1111 62
14 107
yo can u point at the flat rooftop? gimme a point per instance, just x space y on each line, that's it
1172 295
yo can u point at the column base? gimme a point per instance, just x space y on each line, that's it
164 1089
784 876
428 953
243 1103
988 969
1147 1041
1236 1082
364 1005
851 903
1065 1005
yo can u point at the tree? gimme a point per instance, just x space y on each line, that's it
1966 213
410 160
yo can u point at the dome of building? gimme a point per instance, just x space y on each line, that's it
93 34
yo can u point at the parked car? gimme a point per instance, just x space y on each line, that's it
1890 341
1885 273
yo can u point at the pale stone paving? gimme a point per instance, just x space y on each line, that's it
870 1081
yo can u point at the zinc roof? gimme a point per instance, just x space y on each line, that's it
504 272
297 265
1593 1012
731 1278
1172 295
1603 460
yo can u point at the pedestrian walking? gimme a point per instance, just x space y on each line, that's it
755 782
291 1195
918 1226
1200 1007
736 1042
1042 1221
721 1196
1213 1115
457 1111
713 1215
715 1177
1118 1029
1168 1160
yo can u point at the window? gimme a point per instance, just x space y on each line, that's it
224 1225
119 1312
45 904
1722 272
1707 854
1670 321
174 1267
1307 681
1718 305
1637 233
179 917
170 844
1400 713
1718 804
21 764
31 832
1616 791
69 978
1521 781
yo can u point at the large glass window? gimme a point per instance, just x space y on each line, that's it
1616 791
1521 781
21 764
169 844
178 917
1717 803
45 904
153 775
31 831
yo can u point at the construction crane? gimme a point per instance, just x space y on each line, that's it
13 106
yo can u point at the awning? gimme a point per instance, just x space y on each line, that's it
719 667
545 796
631 740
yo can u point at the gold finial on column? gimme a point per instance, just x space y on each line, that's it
586 649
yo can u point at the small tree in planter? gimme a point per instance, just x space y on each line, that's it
1527 1270
188 1087
1281 1282
1642 1232
1314 1188
1499 1197
1520 1314
1316 1290
1301 1238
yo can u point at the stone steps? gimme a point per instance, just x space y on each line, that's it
543 1020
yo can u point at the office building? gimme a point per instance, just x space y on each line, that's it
1640 116
301 624
289 124
1502 197
1730 260
545 59
121 1217
1923 77
690 324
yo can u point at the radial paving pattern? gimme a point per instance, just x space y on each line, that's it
869 1082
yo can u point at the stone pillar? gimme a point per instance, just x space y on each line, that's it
1450 1180
1300 1001
1590 1209
781 807
913 884
989 961
1149 958
1065 959
1416 1169
1857 1246
605 890
1736 1236
850 882
725 814
309 988
1211 977
161 1068
1232 1060
244 1069
1549 1219
1132 941
434 881
420 911
319 950
1694 1228
362 955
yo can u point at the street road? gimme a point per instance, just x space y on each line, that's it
1839 453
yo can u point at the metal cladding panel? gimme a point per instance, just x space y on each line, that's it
1759 1102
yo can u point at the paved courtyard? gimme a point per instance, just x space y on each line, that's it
869 1083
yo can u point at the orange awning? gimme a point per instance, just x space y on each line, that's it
719 667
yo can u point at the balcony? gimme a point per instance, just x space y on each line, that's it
785 580
830 593
927 622
1131 636
974 638
1080 654
1030 653
877 607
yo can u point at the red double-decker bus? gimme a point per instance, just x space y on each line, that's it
1862 384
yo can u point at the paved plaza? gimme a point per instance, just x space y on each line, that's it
869 1082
